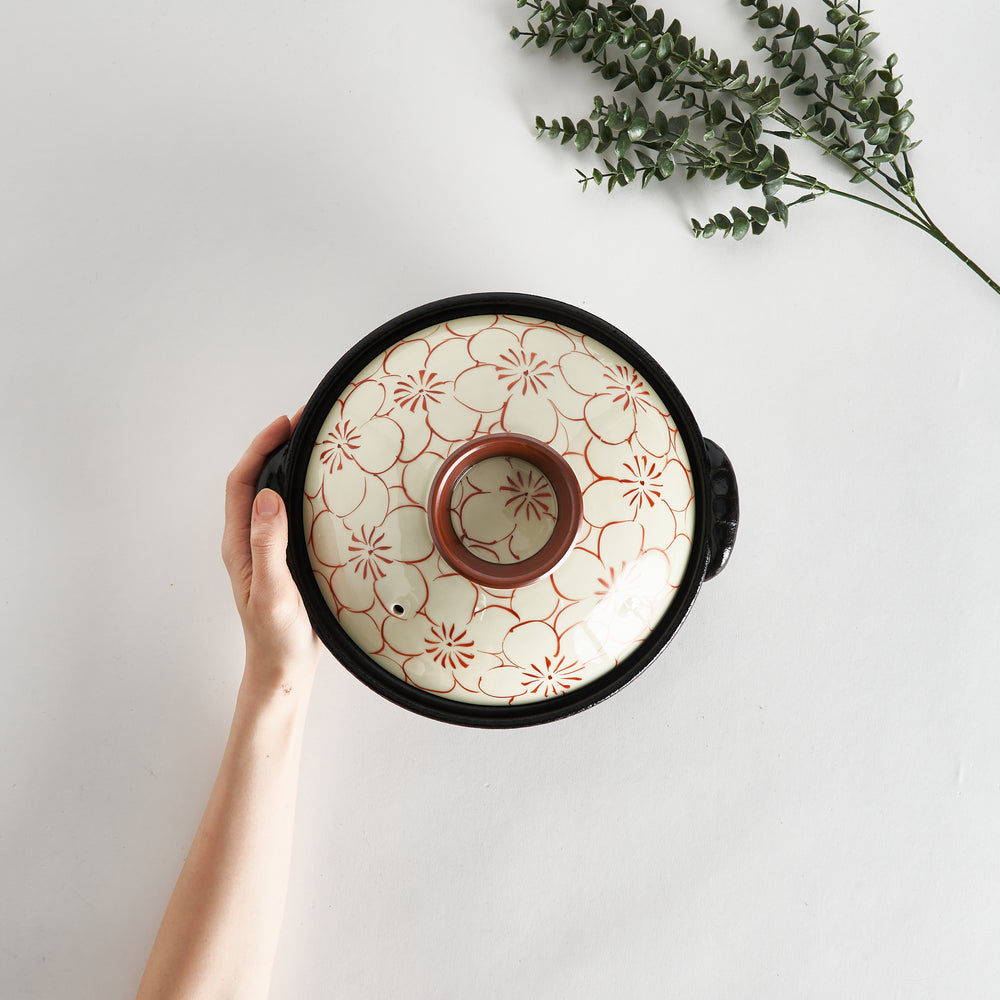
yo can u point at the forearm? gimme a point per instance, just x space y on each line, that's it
220 931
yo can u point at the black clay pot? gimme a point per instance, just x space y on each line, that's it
501 509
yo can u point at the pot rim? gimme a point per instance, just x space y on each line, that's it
325 622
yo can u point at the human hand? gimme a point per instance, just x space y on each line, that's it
282 649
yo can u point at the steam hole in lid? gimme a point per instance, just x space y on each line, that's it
398 609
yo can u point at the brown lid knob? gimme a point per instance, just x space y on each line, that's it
569 510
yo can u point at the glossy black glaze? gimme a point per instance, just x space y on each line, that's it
274 474
711 473
725 499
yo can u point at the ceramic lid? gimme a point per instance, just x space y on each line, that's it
498 509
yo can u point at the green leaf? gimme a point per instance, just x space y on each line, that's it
626 167
758 214
902 121
853 153
581 25
680 128
842 54
584 134
877 134
623 145
642 49
804 37
769 18
741 224
792 21
540 123
773 182
601 42
664 163
895 144
639 124
646 79
778 210
770 100
807 86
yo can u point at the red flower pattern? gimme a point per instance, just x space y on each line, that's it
339 446
519 371
373 462
531 495
551 677
369 553
421 390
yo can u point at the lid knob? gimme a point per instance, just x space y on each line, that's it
548 493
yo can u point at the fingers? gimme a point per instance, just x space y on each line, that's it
241 487
272 590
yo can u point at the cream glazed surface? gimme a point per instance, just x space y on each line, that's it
370 473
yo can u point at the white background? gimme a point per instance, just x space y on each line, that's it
202 206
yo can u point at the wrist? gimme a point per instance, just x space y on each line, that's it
266 687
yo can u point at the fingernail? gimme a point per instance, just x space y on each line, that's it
266 504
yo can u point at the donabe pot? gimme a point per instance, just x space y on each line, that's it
500 509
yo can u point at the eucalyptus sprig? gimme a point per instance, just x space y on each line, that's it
685 109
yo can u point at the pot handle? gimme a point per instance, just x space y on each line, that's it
273 475
725 512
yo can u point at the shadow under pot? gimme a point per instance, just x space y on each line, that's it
500 509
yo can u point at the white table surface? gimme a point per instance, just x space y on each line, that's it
202 207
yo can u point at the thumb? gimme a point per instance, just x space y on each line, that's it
270 580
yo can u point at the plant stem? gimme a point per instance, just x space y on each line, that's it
929 227
707 78
802 133
968 261
882 208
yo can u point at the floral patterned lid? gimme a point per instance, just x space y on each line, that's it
498 509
